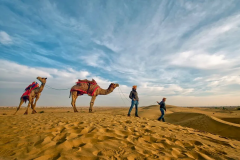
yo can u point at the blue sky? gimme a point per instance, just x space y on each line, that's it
187 51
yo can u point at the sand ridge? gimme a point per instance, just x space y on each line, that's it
106 134
211 120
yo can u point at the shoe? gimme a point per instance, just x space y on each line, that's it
137 116
128 115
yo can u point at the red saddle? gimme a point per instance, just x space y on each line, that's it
92 87
26 94
93 82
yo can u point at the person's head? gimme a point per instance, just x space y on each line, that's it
164 99
134 87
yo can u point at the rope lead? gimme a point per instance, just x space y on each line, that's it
56 88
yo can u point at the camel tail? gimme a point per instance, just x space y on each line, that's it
24 99
70 94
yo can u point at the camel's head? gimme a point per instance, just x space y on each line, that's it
41 79
113 85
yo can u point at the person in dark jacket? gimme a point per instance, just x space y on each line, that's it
134 96
162 108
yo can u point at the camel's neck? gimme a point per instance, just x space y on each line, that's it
105 91
41 87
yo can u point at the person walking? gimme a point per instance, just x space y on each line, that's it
162 108
135 100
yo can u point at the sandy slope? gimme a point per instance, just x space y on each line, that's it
232 120
216 121
107 134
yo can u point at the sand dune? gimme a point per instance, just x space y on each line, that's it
109 134
204 119
205 123
232 120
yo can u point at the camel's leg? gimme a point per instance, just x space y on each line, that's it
21 102
29 103
34 105
92 103
74 98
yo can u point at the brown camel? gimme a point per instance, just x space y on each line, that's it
92 89
35 93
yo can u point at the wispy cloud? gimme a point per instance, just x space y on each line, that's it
167 48
200 60
5 39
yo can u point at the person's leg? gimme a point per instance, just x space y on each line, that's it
131 107
136 109
160 118
163 119
162 111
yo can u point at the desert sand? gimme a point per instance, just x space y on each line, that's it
58 133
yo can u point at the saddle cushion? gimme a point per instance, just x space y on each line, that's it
93 82
26 94
84 88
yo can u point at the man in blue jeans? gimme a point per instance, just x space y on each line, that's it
162 108
134 96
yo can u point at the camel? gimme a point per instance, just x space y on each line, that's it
84 86
35 93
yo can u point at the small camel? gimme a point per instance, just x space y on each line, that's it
35 93
84 90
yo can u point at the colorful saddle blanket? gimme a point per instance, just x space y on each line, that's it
26 94
93 82
31 86
86 87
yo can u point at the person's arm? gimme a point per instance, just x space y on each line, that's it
165 107
130 96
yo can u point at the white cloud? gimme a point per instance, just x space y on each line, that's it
15 77
92 59
5 38
223 81
196 59
96 59
215 34
197 79
150 50
14 72
107 42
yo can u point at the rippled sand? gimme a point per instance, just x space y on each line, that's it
106 134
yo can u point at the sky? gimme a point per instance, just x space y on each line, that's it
187 51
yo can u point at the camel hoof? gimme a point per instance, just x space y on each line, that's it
33 112
25 113
75 111
90 111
